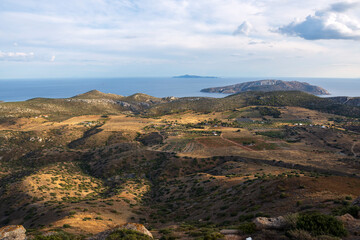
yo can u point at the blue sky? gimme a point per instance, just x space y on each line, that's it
134 38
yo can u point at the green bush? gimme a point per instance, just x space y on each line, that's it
352 210
211 236
300 234
320 224
248 227
127 235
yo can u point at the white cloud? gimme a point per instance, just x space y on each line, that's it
244 29
332 23
176 34
16 56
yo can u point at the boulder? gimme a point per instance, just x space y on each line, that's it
352 224
129 226
12 232
270 223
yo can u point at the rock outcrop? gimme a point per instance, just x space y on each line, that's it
129 226
12 232
269 86
270 223
352 224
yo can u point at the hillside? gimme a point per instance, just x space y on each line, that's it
268 86
276 99
351 101
95 94
186 168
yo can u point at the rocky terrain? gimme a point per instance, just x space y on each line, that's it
265 165
268 86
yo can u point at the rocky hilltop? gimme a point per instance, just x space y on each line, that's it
269 86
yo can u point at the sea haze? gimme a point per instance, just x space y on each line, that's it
23 89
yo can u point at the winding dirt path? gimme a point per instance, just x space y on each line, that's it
237 144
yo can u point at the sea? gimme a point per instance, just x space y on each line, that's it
24 89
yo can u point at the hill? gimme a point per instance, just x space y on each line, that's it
267 86
351 101
95 102
276 99
95 94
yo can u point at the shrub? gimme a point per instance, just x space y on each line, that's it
291 220
325 237
212 236
248 227
352 210
320 224
300 234
127 235
165 231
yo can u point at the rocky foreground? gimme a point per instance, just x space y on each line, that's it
269 227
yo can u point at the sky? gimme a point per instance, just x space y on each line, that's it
158 38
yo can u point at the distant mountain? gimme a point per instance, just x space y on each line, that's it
269 86
193 76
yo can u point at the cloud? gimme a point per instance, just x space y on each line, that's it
343 6
244 29
121 36
255 42
16 56
327 24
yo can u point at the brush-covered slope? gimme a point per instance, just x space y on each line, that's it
278 99
268 86
351 101
98 103
89 103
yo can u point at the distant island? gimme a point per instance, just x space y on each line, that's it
194 76
269 86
